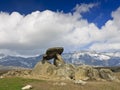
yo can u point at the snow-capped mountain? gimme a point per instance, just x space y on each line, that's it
19 61
93 58
2 55
77 58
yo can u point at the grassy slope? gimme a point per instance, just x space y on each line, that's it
14 83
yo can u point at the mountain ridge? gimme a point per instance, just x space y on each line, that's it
83 57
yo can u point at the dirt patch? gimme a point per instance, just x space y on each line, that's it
91 85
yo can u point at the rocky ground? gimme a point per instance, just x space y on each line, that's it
91 85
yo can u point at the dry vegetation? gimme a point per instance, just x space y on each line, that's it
91 85
117 74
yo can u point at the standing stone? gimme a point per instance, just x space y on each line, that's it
58 61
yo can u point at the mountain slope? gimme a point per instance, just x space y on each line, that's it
77 58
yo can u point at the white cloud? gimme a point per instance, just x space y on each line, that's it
40 30
82 8
111 34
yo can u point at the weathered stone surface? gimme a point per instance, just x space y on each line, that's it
54 53
93 74
71 72
107 74
17 73
63 72
58 61
51 52
85 72
45 69
66 71
81 74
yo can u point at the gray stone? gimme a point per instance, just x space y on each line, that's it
54 53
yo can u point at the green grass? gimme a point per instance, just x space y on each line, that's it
14 83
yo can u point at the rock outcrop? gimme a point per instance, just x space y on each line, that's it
45 70
86 72
107 74
60 70
71 72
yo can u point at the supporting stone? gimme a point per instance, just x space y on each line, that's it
58 61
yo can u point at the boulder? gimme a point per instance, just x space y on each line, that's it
63 72
107 74
45 69
86 72
66 71
81 74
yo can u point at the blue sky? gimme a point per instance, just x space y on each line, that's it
97 15
28 27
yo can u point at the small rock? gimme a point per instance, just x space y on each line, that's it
59 83
62 84
79 82
27 87
1 77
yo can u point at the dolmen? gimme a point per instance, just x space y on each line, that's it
54 53
60 70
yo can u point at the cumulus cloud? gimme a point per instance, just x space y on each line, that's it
110 33
32 33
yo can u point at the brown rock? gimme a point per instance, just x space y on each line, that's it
45 69
58 61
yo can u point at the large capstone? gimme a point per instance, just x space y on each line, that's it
54 53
